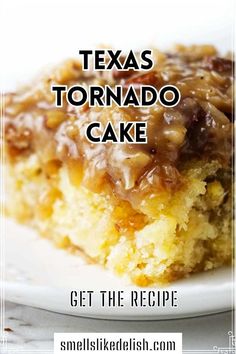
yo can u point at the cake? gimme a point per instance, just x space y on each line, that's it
153 212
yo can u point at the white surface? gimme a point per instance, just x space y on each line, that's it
42 32
40 275
33 329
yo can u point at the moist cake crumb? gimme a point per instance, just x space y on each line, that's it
153 212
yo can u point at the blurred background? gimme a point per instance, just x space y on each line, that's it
41 32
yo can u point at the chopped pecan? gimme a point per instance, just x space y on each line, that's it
122 74
149 78
218 64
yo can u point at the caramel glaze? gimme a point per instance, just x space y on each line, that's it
199 127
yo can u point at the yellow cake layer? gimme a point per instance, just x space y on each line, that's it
166 237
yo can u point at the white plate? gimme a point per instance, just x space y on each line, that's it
40 275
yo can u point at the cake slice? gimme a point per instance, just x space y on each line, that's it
152 212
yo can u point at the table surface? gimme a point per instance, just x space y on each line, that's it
29 329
